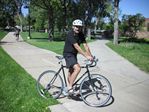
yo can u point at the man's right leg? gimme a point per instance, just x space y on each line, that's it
70 71
72 75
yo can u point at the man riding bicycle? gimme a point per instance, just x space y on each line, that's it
72 47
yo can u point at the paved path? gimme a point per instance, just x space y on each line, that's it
130 85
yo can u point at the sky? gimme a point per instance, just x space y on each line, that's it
132 7
129 7
24 11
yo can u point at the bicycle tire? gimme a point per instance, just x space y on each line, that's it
49 84
97 91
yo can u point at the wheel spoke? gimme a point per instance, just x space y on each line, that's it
98 90
52 83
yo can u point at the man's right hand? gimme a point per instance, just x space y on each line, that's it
89 57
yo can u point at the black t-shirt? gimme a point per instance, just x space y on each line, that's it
71 39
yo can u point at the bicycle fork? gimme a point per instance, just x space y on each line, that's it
93 87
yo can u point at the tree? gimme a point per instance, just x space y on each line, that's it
18 4
116 31
65 4
131 24
61 13
101 11
39 18
7 12
86 9
50 6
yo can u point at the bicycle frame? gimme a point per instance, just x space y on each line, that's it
64 77
86 72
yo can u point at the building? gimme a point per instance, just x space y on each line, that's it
144 33
146 25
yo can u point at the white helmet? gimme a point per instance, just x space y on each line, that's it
77 22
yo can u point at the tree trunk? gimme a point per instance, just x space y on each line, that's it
116 32
65 15
89 33
19 5
20 18
50 27
97 20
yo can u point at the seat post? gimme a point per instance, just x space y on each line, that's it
64 75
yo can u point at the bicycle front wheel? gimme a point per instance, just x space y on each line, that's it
49 84
95 91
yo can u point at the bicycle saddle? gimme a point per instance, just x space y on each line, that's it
60 57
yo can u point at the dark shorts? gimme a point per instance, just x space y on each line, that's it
71 60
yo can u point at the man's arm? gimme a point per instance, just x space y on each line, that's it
78 48
85 54
87 49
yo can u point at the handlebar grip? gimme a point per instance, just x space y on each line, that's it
93 62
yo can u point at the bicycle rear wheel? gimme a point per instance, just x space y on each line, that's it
49 84
95 91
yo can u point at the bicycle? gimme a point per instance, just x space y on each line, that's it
95 90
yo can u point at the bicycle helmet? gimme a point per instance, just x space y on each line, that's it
77 22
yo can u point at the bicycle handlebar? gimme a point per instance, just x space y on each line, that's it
88 63
91 63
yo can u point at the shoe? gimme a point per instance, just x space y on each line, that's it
65 91
76 93
71 91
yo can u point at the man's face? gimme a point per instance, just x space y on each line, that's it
77 29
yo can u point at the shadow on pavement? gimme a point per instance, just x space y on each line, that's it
109 102
4 42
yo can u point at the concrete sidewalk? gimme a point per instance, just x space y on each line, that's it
130 85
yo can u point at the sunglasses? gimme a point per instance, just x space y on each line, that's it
78 26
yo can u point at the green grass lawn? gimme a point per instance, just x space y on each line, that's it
2 34
136 52
41 40
18 89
